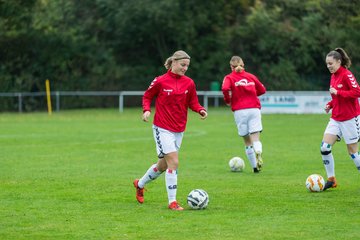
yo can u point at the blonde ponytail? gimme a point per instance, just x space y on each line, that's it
178 55
237 63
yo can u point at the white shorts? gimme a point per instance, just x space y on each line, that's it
349 130
248 121
166 141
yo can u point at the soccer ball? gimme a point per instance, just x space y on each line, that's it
236 164
198 199
315 183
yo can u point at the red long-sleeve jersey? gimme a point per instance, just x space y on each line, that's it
174 95
345 104
241 90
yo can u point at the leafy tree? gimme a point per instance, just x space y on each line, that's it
122 45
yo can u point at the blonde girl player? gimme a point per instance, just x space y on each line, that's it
241 90
174 93
345 111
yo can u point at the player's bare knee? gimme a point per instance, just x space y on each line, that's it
325 148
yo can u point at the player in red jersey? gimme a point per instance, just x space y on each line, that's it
241 90
345 111
174 93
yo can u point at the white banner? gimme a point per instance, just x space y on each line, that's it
294 102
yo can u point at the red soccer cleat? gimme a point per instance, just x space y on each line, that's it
139 191
175 206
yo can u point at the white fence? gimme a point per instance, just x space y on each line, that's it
272 101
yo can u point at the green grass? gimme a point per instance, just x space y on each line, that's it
69 176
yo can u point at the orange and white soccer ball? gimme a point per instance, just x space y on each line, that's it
315 183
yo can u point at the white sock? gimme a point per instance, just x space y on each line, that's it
250 154
171 184
328 159
356 158
151 174
257 146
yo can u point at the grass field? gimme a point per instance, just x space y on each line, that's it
69 176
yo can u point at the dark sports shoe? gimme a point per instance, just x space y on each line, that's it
175 206
330 183
139 191
256 170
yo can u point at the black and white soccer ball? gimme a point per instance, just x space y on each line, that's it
198 199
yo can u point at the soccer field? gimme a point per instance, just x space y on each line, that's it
69 176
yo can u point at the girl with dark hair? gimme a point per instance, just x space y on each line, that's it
345 111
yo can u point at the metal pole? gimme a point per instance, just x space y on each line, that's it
205 101
20 102
57 94
121 102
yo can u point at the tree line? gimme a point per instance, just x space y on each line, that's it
113 45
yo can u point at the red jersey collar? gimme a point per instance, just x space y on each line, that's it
339 71
173 74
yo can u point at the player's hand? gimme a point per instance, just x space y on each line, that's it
327 108
203 114
333 91
145 116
